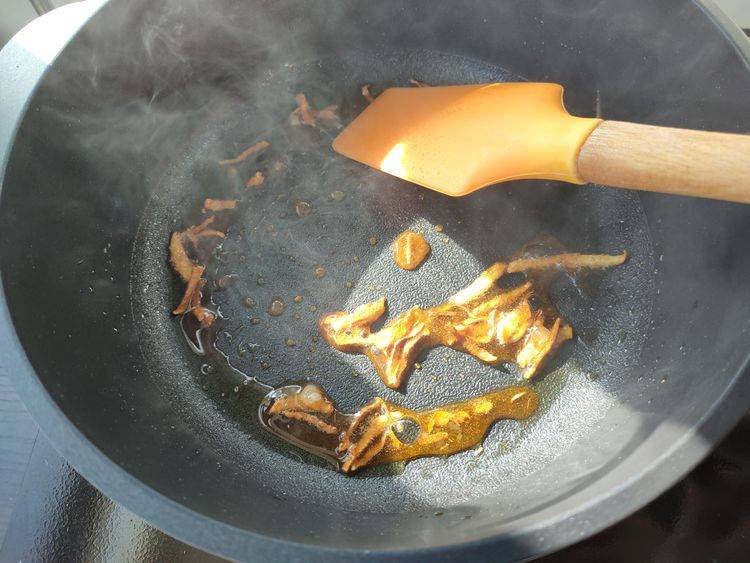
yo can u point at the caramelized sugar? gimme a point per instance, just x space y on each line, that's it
382 432
491 323
409 250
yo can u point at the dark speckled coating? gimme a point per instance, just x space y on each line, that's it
119 143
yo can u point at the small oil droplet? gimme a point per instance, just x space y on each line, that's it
291 342
254 321
338 195
320 272
260 280
207 369
373 241
248 302
409 250
313 308
298 298
224 281
276 307
302 208
348 285
439 228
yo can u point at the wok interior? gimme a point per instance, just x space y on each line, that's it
120 147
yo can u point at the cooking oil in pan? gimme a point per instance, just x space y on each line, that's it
516 211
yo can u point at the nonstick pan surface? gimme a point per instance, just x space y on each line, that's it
272 253
119 147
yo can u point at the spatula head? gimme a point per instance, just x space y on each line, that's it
457 139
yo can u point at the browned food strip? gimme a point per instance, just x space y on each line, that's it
567 261
211 204
258 147
178 257
205 316
328 112
191 272
366 94
382 432
409 250
191 297
305 111
312 420
307 115
257 179
196 232
495 325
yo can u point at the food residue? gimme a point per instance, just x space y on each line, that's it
366 94
305 114
257 179
409 250
219 204
492 324
258 147
182 245
382 432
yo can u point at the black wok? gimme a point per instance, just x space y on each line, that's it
119 145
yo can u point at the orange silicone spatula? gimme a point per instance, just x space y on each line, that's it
458 139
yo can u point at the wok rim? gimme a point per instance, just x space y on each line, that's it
560 528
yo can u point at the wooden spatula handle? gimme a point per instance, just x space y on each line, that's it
663 159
